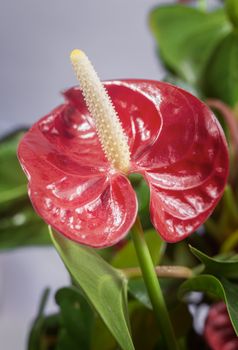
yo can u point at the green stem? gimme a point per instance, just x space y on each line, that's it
153 286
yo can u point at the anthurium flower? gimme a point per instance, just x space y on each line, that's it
78 157
218 331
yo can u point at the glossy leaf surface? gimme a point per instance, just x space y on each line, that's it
126 256
103 285
220 267
175 142
220 288
221 75
187 37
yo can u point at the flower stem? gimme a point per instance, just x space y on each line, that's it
153 286
182 272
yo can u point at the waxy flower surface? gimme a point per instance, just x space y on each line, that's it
174 141
218 332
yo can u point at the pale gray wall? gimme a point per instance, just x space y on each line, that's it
37 36
35 40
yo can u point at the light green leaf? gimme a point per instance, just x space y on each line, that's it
187 37
231 7
103 285
126 257
219 288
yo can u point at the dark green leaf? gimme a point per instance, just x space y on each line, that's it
65 342
186 37
219 288
217 265
169 286
22 227
103 285
221 75
35 336
77 317
144 327
137 289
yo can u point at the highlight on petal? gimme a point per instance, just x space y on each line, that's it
185 193
173 119
175 142
65 139
138 114
71 184
100 221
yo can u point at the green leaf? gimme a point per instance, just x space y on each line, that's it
186 37
65 342
126 257
77 316
101 337
217 266
12 179
143 197
231 7
221 75
103 285
19 225
137 289
219 288
22 227
144 327
34 341
169 286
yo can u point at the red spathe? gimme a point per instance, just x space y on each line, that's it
175 141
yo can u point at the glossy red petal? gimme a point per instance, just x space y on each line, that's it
185 193
175 214
175 142
71 184
100 222
137 111
65 139
173 119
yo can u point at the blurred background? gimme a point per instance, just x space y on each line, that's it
36 38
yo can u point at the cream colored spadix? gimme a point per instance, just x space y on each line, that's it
109 129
